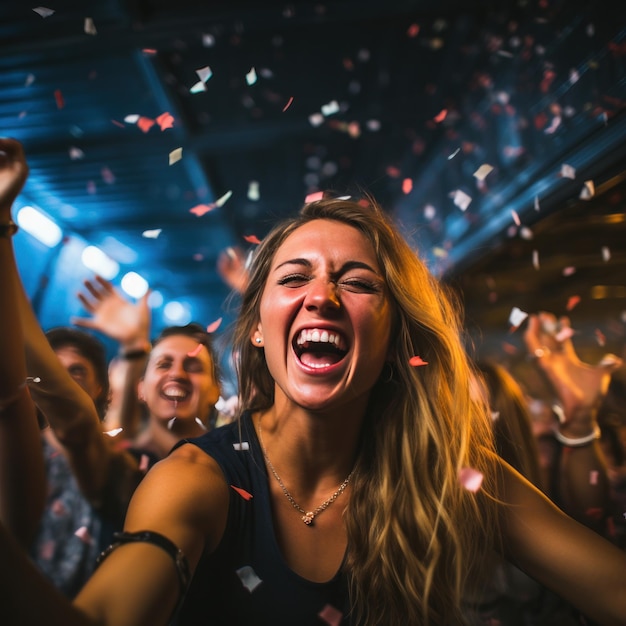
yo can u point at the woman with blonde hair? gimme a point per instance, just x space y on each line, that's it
360 482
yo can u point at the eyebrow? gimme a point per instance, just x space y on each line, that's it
348 265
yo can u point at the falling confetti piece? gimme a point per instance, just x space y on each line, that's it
451 156
149 51
151 234
471 479
413 30
244 445
242 492
213 326
132 119
253 191
330 615
113 432
567 171
248 578
201 209
606 254
198 87
461 199
204 73
30 79
572 302
536 203
288 104
588 191
407 186
43 11
223 199
516 218
175 156
330 108
107 175
251 77
600 338
58 96
564 334
195 351
483 171
314 197
76 154
495 415
569 271
170 423
416 361
198 421
516 317
89 27
252 239
441 116
83 534
144 463
536 259
593 477
145 123
165 121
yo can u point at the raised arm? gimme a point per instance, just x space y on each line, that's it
22 473
128 323
580 387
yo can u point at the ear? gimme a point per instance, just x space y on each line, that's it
256 336
140 393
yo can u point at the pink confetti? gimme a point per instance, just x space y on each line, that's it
572 302
314 197
330 615
600 338
145 123
413 31
568 271
83 534
288 104
58 96
252 239
213 326
441 116
107 175
201 209
417 361
407 186
593 477
165 121
516 218
149 51
242 492
564 333
144 463
119 124
471 479
195 351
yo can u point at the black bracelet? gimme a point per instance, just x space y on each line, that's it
133 355
9 229
156 539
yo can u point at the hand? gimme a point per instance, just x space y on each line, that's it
579 386
114 315
231 266
13 174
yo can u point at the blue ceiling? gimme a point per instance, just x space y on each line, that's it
402 99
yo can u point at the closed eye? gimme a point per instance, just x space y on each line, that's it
359 285
294 280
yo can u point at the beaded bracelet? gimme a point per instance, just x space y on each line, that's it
577 442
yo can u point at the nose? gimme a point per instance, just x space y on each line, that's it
177 370
322 296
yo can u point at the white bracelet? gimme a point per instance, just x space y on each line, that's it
578 441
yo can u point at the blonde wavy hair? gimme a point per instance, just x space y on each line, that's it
414 531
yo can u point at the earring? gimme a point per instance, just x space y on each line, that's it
258 340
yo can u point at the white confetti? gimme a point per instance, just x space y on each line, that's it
204 73
89 27
470 478
44 11
175 156
113 432
222 201
243 446
132 119
251 77
83 534
461 199
330 108
536 203
316 119
483 171
567 171
451 156
536 259
248 578
253 191
588 191
76 154
517 316
151 234
199 87
606 254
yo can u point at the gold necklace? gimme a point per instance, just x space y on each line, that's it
307 516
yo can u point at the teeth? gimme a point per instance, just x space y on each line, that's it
317 336
175 393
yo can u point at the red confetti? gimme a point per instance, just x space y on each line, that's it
572 302
416 361
288 104
165 121
201 209
331 615
195 351
145 123
58 96
242 492
252 239
211 328
407 186
118 123
600 337
413 31
441 116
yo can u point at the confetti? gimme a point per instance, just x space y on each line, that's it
43 11
483 171
536 259
145 123
330 615
288 104
144 463
107 175
416 361
461 199
213 326
83 534
175 156
253 191
151 234
564 334
198 87
113 432
441 116
588 190
195 351
536 203
516 218
600 338
569 271
314 197
407 186
242 492
76 154
606 254
252 239
451 156
204 73
132 119
248 578
330 108
251 77
89 27
593 477
201 209
58 96
244 445
165 121
471 479
516 317
223 199
567 171
572 302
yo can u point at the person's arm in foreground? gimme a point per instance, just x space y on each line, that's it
567 557
22 471
185 499
583 479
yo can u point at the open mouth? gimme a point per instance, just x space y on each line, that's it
175 393
319 348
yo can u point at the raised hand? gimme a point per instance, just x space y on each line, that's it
117 317
231 266
13 174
